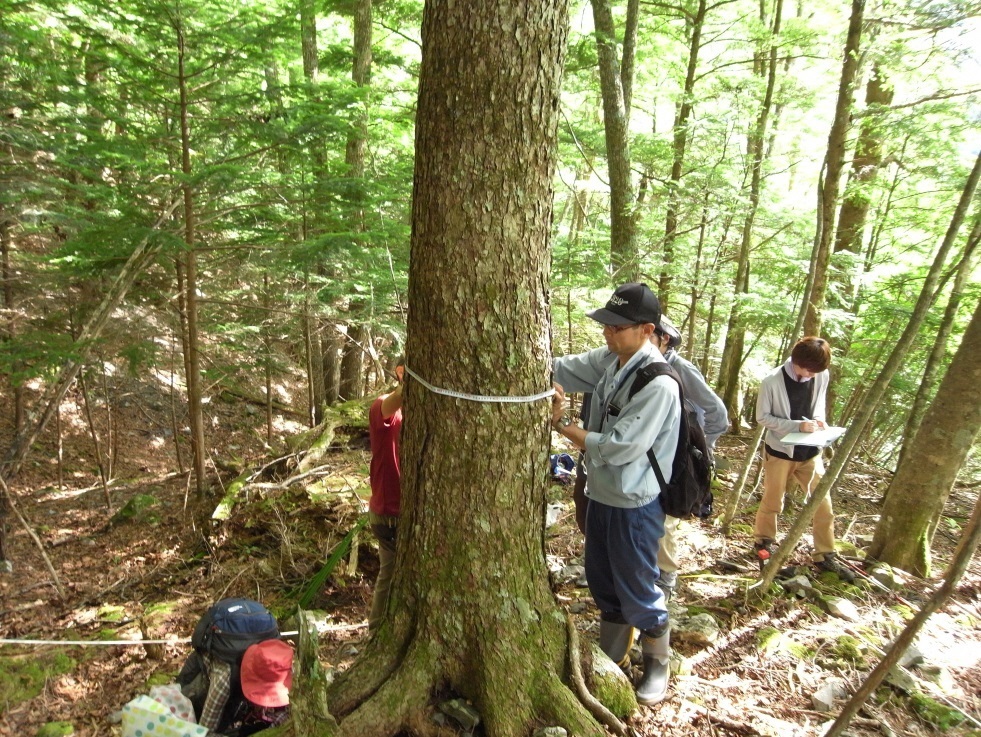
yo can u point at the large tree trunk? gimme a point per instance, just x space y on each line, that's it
834 162
623 217
470 610
923 481
855 206
873 397
939 350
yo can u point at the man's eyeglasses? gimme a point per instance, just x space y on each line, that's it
620 328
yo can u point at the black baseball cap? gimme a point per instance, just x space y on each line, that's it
667 327
630 304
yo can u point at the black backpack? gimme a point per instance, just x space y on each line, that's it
225 632
689 493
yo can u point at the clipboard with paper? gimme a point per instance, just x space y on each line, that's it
818 438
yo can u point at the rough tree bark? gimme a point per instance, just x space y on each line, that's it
855 206
471 610
834 162
923 481
939 350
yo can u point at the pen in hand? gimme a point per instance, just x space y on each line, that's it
818 424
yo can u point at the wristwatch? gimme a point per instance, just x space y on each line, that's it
562 423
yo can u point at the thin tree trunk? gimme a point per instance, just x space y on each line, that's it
267 363
352 361
878 388
10 306
737 490
316 392
100 461
834 162
736 334
142 255
332 343
678 148
624 253
193 378
853 216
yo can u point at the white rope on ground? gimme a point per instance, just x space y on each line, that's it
476 397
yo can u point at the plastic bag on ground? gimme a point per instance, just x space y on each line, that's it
147 717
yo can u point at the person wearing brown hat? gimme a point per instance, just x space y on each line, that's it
624 521
266 677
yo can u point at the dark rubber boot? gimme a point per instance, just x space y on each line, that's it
615 640
653 686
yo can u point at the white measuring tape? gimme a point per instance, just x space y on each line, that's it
476 397
90 643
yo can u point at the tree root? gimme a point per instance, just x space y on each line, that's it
400 701
603 715
360 683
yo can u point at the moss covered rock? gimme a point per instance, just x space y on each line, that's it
140 508
610 685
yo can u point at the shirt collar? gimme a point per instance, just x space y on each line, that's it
644 351
788 367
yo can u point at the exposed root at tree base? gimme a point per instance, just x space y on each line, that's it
600 712
401 701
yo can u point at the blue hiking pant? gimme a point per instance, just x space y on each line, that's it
621 563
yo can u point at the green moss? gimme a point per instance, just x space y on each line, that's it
610 686
160 679
849 649
56 729
799 651
905 613
111 613
23 677
138 508
934 713
768 640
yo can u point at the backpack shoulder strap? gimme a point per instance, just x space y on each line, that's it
645 375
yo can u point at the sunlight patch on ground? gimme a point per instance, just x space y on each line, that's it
288 426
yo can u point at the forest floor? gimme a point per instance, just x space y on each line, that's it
158 571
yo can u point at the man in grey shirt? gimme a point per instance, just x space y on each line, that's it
713 419
624 520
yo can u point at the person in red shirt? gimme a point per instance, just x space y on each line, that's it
384 428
